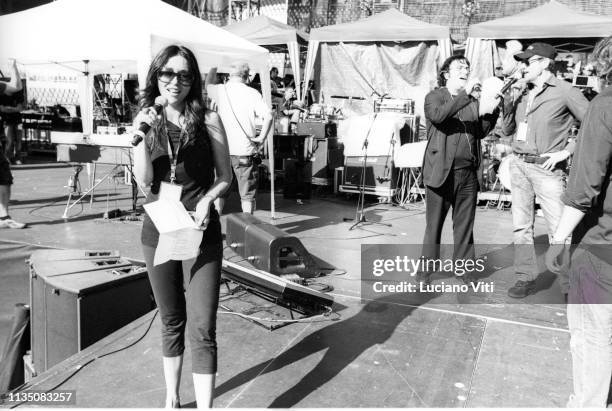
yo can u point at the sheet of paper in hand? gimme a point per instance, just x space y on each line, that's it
179 236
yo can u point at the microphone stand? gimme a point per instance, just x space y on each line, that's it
360 217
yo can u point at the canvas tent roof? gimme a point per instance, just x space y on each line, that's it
265 31
68 31
390 25
550 20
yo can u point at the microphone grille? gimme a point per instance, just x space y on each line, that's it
161 100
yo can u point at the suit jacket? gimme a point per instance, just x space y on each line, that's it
447 118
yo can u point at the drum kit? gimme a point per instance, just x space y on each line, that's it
323 112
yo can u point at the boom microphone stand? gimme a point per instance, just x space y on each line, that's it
360 217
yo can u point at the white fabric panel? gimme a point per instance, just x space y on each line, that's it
313 48
481 55
85 84
390 26
293 49
266 90
445 50
382 131
406 71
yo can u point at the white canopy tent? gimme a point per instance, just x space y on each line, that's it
69 37
267 32
388 26
552 20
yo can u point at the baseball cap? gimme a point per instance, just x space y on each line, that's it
537 49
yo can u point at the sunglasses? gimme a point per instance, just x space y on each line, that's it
166 76
530 61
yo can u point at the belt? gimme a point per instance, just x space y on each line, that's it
239 157
531 158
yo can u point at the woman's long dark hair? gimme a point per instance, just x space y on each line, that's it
194 104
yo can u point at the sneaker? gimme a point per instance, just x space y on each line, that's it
18 162
521 289
10 223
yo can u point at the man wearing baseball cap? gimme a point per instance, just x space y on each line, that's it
239 106
539 118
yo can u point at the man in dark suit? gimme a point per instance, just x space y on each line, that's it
452 157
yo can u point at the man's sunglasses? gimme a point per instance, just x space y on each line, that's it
531 61
184 78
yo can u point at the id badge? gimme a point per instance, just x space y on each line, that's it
170 191
521 132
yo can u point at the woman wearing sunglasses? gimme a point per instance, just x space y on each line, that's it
184 150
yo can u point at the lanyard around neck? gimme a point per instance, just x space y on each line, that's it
174 156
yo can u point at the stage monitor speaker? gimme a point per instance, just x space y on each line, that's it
379 172
268 247
297 179
78 297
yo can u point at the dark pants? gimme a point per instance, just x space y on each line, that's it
459 191
187 294
13 142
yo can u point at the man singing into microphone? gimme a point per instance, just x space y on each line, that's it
452 156
540 119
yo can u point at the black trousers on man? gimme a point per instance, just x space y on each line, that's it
459 191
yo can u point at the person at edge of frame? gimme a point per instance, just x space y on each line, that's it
11 87
587 211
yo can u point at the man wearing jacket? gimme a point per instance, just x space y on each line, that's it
452 157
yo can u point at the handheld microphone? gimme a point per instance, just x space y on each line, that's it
143 129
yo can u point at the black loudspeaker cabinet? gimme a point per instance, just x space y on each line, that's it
295 146
78 297
379 172
297 179
268 247
326 156
317 129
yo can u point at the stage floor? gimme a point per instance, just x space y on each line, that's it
380 353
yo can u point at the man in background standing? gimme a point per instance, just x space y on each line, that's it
238 106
